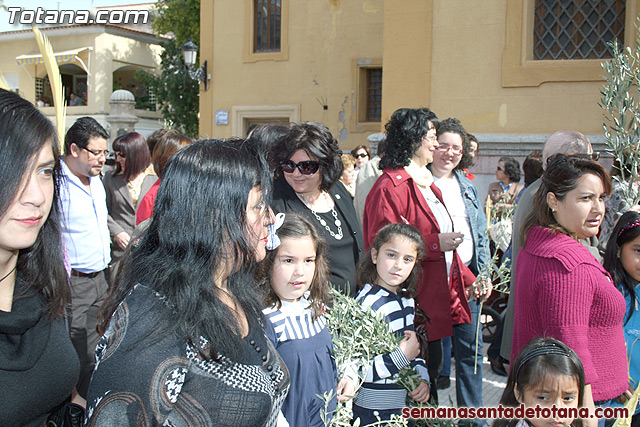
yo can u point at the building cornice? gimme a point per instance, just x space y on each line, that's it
77 29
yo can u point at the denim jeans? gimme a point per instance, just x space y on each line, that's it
468 383
446 357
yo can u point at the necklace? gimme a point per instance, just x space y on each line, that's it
337 222
9 273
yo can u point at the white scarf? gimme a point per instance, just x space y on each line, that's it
421 175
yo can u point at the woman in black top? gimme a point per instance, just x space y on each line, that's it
307 164
185 343
38 365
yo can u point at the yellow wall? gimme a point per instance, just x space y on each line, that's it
325 39
461 61
461 58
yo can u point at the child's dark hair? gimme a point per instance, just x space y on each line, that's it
297 226
626 229
540 359
367 272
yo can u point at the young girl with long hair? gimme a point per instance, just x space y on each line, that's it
622 261
295 278
386 279
545 373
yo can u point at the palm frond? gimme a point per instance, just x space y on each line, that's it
3 82
55 80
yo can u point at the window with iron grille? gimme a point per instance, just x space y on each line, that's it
577 29
374 94
39 87
267 25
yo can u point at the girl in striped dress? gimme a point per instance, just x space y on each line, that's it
386 279
295 277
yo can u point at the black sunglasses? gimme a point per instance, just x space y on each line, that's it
308 167
363 155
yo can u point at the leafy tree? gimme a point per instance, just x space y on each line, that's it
621 104
176 92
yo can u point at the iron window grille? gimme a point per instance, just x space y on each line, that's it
267 25
577 29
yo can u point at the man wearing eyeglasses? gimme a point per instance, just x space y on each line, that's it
83 207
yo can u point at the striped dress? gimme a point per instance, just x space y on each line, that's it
306 348
379 391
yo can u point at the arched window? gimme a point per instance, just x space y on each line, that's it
125 78
74 80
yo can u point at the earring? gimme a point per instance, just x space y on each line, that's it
553 210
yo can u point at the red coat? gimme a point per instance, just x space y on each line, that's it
395 196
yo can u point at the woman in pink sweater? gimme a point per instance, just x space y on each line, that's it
562 290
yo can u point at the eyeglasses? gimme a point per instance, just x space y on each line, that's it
97 153
593 156
431 137
308 167
119 154
455 149
359 155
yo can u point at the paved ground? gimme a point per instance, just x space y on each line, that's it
492 385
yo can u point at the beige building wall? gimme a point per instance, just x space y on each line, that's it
108 53
463 58
472 61
326 40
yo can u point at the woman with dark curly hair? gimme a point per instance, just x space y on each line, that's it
406 192
462 201
307 164
503 193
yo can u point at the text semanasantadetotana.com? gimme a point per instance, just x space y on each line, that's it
41 16
519 412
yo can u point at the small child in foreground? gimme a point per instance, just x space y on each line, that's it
546 373
295 277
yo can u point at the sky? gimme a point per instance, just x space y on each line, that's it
58 5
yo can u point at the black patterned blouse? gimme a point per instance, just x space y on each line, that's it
166 383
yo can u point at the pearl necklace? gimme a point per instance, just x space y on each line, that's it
337 222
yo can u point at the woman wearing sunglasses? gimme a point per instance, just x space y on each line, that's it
307 164
362 156
503 193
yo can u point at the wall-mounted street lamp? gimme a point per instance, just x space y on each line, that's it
190 51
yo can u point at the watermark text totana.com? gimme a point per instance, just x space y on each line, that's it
42 16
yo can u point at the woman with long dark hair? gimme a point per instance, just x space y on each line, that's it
562 290
38 364
125 187
185 342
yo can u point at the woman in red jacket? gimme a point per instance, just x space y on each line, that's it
406 193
